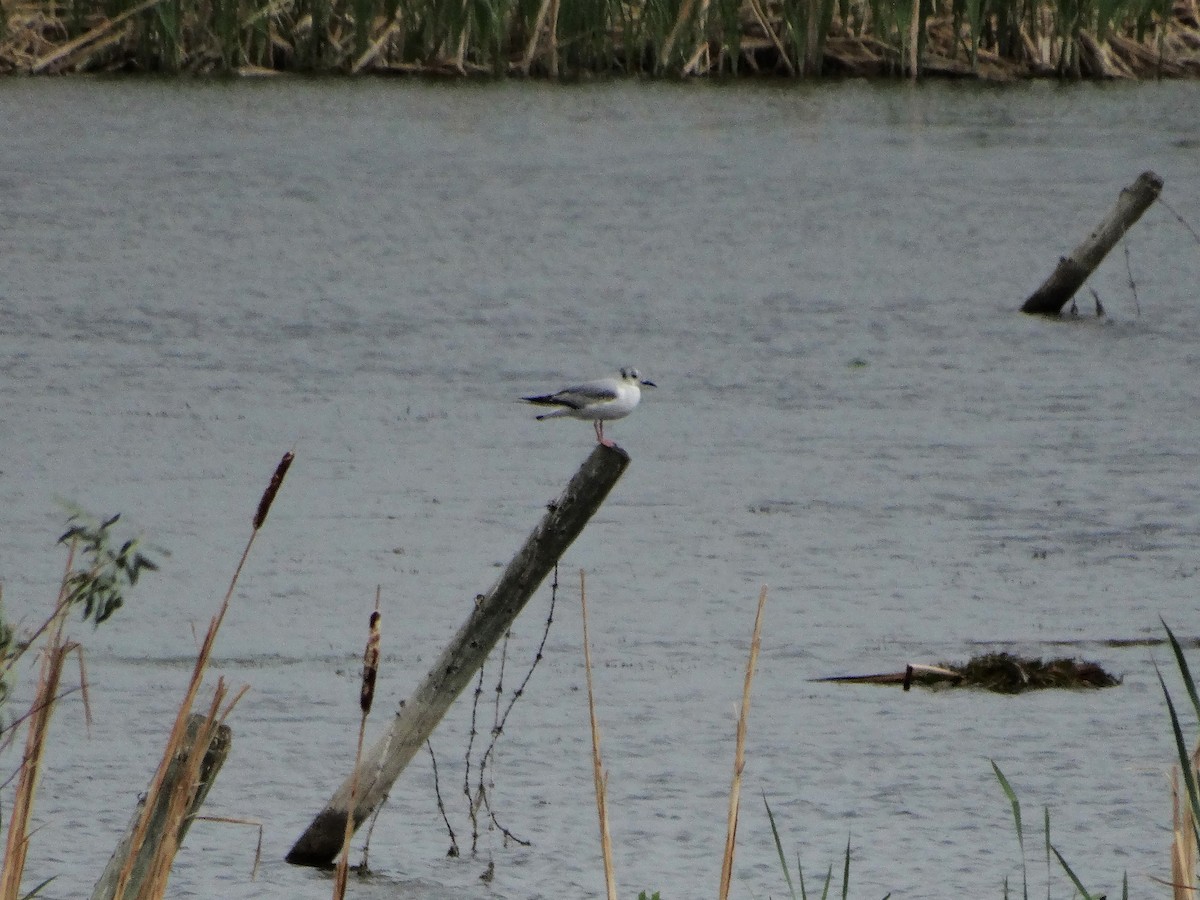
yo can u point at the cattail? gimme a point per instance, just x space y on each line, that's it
370 670
370 666
268 497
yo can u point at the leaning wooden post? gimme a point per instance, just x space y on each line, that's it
1073 270
214 758
491 616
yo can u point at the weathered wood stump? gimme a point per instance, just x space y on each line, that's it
491 616
1073 270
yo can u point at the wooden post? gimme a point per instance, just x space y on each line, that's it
214 758
491 616
1073 270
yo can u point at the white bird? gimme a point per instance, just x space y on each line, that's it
596 401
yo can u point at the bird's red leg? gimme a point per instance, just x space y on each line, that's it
599 426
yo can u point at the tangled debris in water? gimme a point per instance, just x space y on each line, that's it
1002 673
1008 674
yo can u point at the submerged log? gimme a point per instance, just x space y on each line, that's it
214 758
1073 270
491 616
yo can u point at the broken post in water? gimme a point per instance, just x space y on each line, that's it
160 819
1073 270
491 616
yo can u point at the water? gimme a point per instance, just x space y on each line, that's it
823 281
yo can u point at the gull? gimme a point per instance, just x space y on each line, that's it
597 401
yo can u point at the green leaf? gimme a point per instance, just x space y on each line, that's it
1016 809
1189 775
1184 671
846 871
38 889
1078 884
779 847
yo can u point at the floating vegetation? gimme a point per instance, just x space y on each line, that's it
987 39
1002 673
1008 674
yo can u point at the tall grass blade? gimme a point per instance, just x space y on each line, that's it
1074 880
1016 808
1189 773
1046 828
846 871
37 890
1184 671
779 848
828 882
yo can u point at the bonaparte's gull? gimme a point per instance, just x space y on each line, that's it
597 401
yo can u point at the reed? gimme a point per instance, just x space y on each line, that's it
95 579
1050 849
739 758
370 672
155 882
580 38
1185 809
599 776
53 658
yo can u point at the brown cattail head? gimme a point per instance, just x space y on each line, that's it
268 497
370 665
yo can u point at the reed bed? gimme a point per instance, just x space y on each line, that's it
576 39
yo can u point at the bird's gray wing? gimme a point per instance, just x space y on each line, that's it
580 395
588 392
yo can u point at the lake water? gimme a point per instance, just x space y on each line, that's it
197 277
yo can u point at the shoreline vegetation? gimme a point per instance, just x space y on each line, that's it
989 40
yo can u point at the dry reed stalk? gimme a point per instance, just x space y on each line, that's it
692 66
685 13
552 37
365 698
229 820
598 773
17 846
99 31
380 42
766 26
702 45
1183 844
913 35
739 760
167 848
41 709
535 34
154 885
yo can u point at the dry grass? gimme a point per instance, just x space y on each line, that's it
739 759
1183 842
599 775
37 736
